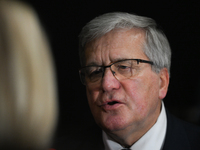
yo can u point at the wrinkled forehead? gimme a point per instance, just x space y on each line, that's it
116 43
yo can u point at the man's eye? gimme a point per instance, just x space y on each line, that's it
123 67
95 72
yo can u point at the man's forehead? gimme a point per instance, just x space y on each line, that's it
121 41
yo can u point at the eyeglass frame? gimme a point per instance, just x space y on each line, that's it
104 67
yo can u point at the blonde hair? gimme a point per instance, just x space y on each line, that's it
28 106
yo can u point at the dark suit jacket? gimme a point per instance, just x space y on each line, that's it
180 136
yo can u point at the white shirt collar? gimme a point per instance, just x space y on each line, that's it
152 139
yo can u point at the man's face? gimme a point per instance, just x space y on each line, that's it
136 100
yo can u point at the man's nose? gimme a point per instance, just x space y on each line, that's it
109 82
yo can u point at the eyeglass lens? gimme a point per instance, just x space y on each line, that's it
122 69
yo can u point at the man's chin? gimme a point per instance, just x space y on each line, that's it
112 127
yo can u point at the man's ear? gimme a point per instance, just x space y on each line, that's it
164 82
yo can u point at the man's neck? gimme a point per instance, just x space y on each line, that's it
128 137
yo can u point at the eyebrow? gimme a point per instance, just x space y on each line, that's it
113 61
93 64
120 59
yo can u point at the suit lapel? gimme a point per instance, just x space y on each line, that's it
176 137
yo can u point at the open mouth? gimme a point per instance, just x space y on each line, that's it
112 103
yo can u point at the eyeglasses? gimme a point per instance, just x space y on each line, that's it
120 69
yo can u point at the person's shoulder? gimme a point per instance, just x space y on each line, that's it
192 130
189 127
87 138
181 133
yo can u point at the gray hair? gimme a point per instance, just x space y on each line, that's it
156 46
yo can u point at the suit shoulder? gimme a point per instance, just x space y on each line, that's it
181 134
192 130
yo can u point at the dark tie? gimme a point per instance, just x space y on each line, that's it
126 149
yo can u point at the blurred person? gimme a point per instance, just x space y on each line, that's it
28 106
126 61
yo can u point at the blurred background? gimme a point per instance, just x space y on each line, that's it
180 20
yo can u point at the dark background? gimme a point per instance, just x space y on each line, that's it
63 20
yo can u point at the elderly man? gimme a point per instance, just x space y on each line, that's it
125 67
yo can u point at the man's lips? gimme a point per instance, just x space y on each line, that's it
111 105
